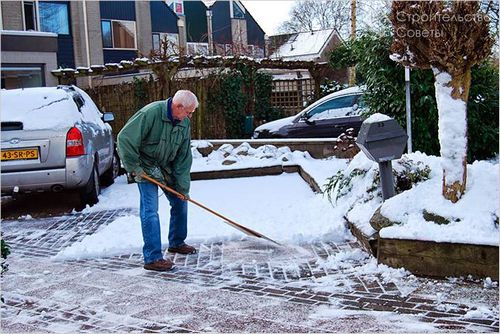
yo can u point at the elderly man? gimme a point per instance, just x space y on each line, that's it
156 141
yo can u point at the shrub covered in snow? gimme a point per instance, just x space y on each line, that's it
406 171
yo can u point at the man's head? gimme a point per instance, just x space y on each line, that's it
184 103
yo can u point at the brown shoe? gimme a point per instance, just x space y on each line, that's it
182 249
159 265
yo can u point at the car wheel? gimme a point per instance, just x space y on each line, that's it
90 193
109 176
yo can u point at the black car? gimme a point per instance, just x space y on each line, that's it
328 117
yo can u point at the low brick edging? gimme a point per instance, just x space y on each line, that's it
429 258
258 171
439 259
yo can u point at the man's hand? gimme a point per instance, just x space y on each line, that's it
183 197
138 176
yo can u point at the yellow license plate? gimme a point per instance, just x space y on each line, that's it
25 154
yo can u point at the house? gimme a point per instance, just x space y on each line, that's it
310 45
305 46
40 36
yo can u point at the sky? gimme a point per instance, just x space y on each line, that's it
269 14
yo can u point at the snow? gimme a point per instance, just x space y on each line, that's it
476 210
452 128
304 46
333 113
286 210
39 108
28 33
276 206
377 117
407 323
276 125
48 108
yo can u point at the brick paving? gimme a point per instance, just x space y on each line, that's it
250 279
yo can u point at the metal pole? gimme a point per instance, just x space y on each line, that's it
386 179
408 108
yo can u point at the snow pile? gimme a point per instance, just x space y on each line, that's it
473 219
48 108
39 108
244 156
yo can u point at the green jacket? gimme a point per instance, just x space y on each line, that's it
150 140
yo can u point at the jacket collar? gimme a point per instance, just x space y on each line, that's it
164 114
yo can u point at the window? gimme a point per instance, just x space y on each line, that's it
124 34
238 13
54 17
22 76
118 34
162 40
337 107
29 15
107 39
197 48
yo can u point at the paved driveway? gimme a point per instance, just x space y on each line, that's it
228 286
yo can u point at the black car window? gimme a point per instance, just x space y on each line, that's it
337 107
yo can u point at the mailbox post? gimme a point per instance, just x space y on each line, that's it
382 139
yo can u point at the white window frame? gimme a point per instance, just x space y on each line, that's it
113 40
231 9
37 17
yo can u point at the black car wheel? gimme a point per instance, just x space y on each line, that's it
109 176
90 193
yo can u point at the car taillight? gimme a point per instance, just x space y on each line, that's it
74 143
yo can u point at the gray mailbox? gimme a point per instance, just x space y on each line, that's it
382 139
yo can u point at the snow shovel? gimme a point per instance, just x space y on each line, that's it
226 220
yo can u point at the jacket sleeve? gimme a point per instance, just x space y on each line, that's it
181 166
130 139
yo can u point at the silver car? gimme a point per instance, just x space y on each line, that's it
55 139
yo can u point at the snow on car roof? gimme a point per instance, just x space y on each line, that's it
45 108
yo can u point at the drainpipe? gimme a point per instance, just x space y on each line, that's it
87 46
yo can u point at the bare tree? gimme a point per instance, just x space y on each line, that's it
449 37
310 15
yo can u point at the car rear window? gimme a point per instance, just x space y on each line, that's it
39 108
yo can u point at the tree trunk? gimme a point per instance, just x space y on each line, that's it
451 95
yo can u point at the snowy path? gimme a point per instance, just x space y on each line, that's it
231 285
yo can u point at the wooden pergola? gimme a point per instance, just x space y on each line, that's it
165 68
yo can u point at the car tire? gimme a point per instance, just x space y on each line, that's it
109 176
90 193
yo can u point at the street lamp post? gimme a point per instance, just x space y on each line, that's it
408 108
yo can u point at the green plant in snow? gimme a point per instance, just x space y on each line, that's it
406 173
341 184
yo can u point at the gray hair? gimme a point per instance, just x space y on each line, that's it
185 98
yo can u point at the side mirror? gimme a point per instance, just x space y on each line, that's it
108 117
